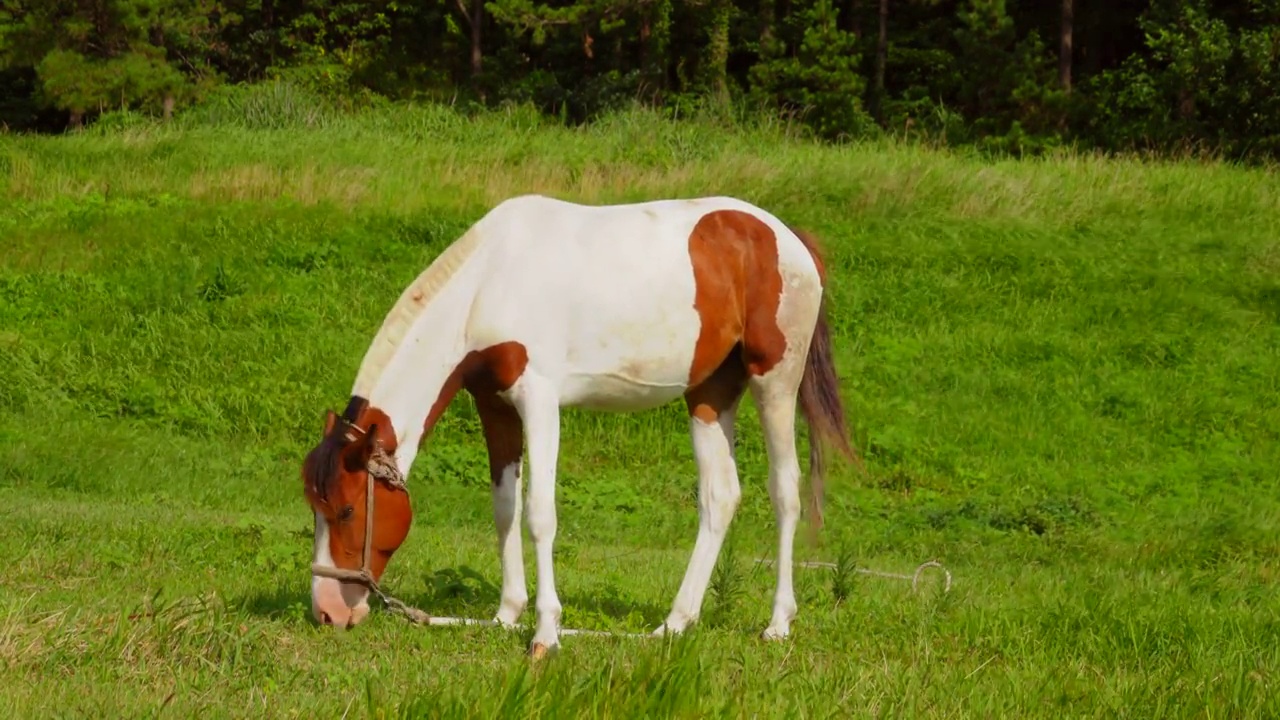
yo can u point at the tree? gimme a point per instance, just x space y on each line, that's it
715 57
1009 74
95 54
819 78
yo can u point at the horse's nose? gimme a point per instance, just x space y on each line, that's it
335 615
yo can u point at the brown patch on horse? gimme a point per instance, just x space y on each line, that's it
716 394
496 368
484 374
489 371
503 433
737 290
394 518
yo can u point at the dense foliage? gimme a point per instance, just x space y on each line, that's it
1169 75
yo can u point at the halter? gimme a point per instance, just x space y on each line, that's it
381 467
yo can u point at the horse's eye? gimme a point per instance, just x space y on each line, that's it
345 513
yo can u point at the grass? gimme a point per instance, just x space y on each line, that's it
1063 372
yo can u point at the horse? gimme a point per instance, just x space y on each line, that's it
544 304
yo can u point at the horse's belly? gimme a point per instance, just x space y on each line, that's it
615 393
631 365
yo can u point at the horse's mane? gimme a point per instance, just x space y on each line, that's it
410 305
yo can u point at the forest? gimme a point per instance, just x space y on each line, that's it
1169 77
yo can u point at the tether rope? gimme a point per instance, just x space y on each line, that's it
383 468
421 617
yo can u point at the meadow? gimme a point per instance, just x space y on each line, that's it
1063 374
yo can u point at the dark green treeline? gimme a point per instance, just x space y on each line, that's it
1166 75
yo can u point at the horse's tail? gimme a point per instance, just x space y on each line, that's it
820 398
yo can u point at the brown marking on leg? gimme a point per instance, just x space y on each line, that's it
737 291
491 370
716 394
503 432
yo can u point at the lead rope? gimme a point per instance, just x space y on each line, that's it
392 604
381 466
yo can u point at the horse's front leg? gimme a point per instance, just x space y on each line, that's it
504 438
536 400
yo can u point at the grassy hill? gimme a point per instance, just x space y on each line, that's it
1064 374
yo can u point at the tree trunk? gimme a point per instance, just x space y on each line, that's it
477 55
882 57
660 40
76 121
645 31
1064 50
268 24
168 106
767 19
1186 104
716 58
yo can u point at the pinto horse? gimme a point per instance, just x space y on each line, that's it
544 304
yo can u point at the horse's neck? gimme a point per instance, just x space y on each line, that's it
408 367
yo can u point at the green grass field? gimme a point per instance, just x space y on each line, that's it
1064 375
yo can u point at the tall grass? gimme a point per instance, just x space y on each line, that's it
1062 372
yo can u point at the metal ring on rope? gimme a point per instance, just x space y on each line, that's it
932 563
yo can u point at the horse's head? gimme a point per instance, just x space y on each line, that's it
354 458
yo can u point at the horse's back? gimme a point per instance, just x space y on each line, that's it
619 234
604 297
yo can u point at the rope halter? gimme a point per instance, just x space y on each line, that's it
383 467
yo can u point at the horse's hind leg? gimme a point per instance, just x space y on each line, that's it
775 398
712 410
775 392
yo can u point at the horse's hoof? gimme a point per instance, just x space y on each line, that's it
538 651
773 634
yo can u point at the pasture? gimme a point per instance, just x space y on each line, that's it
1064 375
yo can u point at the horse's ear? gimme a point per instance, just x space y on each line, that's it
330 419
369 442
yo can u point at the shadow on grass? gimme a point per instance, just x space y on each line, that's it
462 591
616 609
283 603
